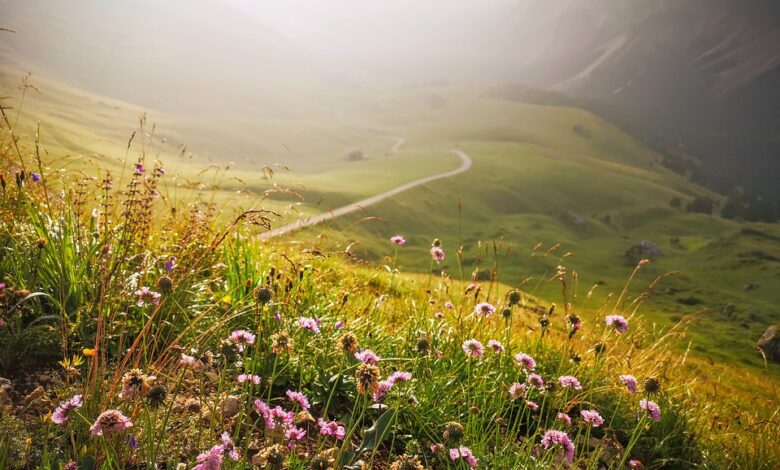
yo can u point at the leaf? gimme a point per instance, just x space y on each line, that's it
378 432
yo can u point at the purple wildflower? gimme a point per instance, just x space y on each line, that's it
36 177
398 240
630 382
229 447
61 414
618 322
309 324
652 409
170 264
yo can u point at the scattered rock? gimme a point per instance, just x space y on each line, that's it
769 343
642 250
229 407
5 391
574 219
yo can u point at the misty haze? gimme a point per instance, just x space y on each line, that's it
389 235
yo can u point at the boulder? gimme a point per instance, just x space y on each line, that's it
572 218
642 250
769 343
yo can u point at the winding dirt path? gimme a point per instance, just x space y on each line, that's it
355 206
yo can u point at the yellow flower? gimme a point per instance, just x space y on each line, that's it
89 352
227 299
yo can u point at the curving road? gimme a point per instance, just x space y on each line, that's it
355 206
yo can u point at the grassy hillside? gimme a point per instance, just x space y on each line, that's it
549 176
138 337
541 175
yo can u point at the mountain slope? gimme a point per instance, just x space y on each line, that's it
702 74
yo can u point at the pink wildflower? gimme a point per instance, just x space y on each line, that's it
527 362
298 398
536 381
485 309
496 346
517 390
448 305
437 254
438 315
436 448
368 356
229 447
398 240
242 338
145 296
293 435
331 428
473 348
255 379
110 422
592 417
553 438
274 416
532 405
465 454
569 381
210 460
564 418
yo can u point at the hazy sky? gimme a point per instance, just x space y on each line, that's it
297 18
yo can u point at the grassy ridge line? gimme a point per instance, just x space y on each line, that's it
311 221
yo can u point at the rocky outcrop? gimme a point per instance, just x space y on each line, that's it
769 343
642 250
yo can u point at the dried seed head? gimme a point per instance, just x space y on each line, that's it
651 385
423 344
349 343
367 378
264 295
281 343
453 432
165 284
